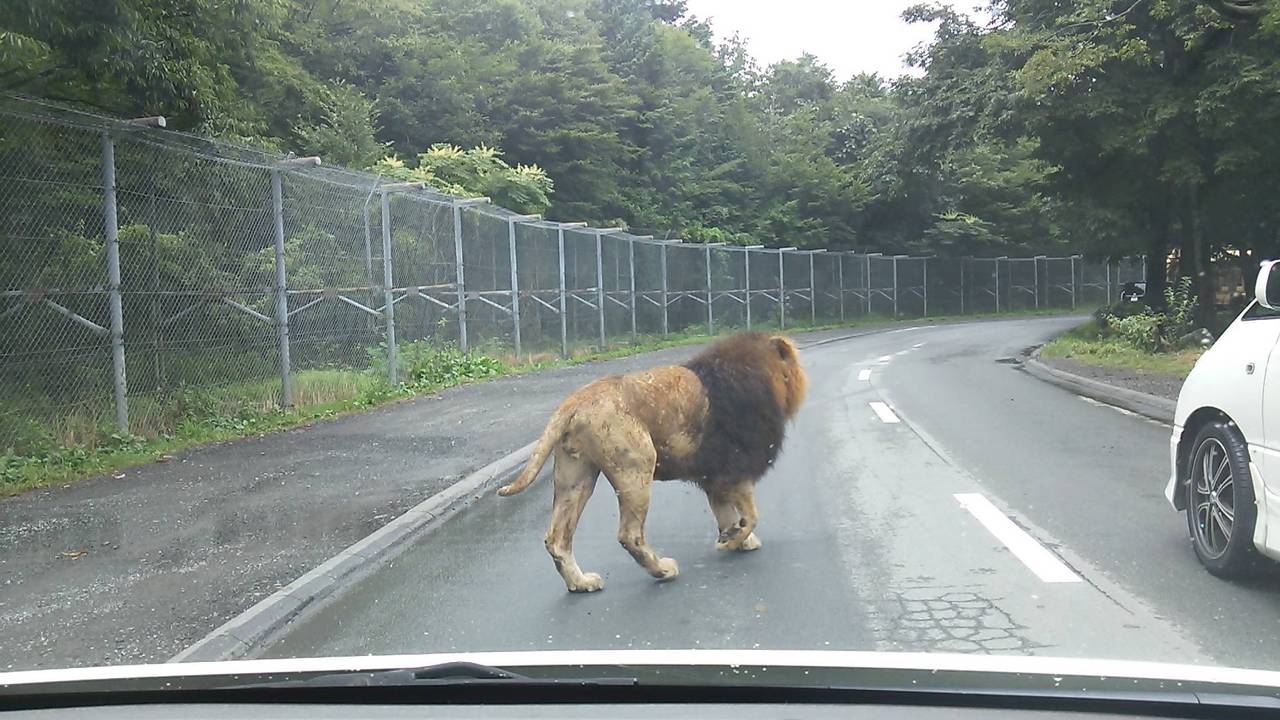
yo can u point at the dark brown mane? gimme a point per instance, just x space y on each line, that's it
745 422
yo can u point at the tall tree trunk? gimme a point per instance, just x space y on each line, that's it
1157 250
1202 277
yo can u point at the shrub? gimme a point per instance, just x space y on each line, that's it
1151 330
1180 310
1121 310
1141 331
435 367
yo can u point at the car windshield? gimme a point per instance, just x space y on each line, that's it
406 327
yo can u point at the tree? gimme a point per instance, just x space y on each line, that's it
1150 110
1109 127
479 172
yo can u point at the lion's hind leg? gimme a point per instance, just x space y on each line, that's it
627 458
575 479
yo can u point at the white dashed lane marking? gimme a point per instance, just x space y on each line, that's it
864 374
883 411
1035 556
1122 411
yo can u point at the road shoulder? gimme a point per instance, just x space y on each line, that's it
1127 389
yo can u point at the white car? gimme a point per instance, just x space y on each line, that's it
1225 449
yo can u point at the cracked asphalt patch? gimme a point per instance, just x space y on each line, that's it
947 618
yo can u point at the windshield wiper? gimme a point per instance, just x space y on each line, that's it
451 674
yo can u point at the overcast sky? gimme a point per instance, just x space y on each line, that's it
850 36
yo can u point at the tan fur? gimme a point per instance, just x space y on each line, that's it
650 425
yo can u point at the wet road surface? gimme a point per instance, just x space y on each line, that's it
931 496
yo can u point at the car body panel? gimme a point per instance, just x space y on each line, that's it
784 667
1267 455
1171 487
1231 379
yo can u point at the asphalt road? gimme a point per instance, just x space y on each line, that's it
135 568
998 514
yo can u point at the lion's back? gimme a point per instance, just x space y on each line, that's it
720 416
659 398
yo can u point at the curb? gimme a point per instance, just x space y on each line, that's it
1145 404
239 636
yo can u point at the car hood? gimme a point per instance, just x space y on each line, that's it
699 667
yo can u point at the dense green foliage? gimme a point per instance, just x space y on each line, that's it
1102 126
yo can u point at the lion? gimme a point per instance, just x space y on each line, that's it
717 421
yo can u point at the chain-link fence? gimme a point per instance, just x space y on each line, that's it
151 276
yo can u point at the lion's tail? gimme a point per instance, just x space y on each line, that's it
550 436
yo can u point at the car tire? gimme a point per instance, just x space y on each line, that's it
1221 512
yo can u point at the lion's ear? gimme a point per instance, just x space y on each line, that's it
784 347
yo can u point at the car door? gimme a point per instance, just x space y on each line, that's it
1265 447
1232 375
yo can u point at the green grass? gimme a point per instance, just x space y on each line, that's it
78 445
1084 344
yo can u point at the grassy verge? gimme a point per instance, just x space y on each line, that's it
1086 344
201 417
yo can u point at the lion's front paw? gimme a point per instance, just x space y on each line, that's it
590 582
667 569
734 540
727 539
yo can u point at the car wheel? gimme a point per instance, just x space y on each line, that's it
1220 504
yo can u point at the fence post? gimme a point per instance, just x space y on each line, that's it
813 295
746 282
1035 275
895 286
388 293
564 310
996 262
460 276
840 276
631 265
600 294
1073 282
1106 263
115 306
963 262
282 297
515 288
782 291
926 286
868 259
710 318
662 257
